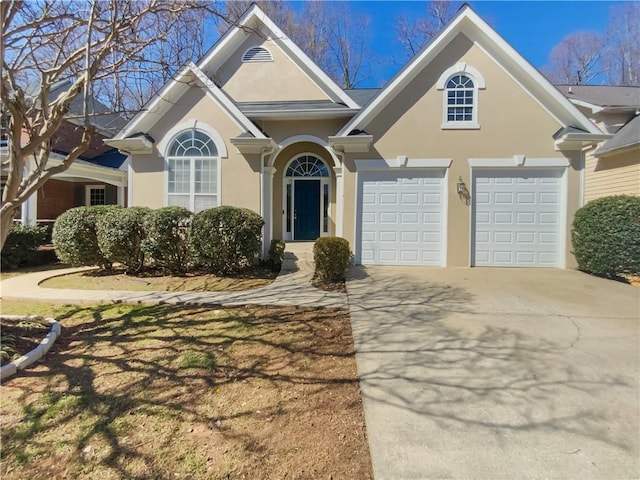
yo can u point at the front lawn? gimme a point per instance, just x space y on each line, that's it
154 281
169 392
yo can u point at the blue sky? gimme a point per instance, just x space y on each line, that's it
531 27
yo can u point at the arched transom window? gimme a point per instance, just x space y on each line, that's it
460 93
192 160
307 166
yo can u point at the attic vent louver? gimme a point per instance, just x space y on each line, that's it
257 54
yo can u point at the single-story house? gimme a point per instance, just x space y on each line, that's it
467 157
98 177
612 167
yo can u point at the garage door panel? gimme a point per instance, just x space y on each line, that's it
516 217
407 208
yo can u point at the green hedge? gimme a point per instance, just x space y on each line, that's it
224 240
120 233
331 256
21 246
75 238
606 236
166 243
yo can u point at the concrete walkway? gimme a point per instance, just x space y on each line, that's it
292 287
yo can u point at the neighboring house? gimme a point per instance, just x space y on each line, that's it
612 167
467 157
98 177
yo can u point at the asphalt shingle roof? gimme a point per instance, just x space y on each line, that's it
627 136
603 95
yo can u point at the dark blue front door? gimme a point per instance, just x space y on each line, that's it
306 214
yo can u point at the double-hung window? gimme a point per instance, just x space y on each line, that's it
193 163
460 99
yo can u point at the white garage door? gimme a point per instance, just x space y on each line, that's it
517 218
401 218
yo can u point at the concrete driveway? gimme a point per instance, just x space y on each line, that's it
497 373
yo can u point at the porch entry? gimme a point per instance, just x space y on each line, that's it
306 198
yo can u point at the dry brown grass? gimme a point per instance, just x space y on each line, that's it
277 396
117 280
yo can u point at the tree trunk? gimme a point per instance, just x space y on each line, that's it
6 222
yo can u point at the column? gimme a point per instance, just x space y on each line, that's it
267 202
339 201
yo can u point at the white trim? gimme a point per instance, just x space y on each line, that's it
87 193
461 67
219 96
192 124
547 164
129 185
164 146
290 180
478 31
401 161
518 161
444 208
256 15
460 125
303 138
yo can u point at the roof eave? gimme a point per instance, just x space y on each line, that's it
131 145
251 145
577 141
307 114
351 144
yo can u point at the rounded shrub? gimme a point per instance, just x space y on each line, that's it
120 234
20 247
606 236
166 244
75 239
331 256
224 240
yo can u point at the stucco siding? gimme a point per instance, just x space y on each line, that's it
617 174
278 80
511 123
196 108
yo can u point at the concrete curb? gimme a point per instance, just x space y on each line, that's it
37 353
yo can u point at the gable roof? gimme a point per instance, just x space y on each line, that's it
473 27
603 97
172 92
627 137
255 20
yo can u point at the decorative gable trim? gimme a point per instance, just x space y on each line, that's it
461 67
468 22
256 20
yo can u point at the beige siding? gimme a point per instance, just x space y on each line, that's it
149 179
279 80
612 175
511 122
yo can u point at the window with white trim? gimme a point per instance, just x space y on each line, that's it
192 180
96 195
461 94
460 85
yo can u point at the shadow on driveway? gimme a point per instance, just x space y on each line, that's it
453 390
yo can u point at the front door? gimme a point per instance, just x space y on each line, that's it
306 209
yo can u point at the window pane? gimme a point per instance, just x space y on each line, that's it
97 196
202 202
205 176
179 176
179 201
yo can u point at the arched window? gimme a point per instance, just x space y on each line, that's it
307 166
460 93
192 161
460 84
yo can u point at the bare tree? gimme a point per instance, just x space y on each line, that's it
85 44
415 33
576 59
622 39
333 37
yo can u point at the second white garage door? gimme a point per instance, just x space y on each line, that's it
517 217
401 218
